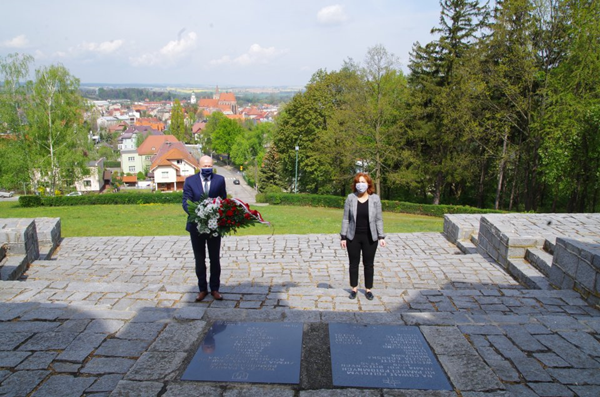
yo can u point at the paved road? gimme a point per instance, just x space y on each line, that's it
13 198
241 191
116 316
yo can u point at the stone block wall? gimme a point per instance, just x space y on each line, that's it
501 244
576 265
460 227
20 237
48 230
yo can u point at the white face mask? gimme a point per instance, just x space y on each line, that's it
362 187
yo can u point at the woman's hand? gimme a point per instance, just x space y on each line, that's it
343 244
382 242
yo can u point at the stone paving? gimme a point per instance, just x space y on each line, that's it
116 316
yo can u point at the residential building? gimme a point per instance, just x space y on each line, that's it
106 122
171 165
97 180
153 123
131 162
150 147
127 140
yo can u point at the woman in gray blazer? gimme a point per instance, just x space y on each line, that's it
362 229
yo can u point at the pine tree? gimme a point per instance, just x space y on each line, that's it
441 102
269 175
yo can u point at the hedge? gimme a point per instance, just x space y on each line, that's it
109 198
112 164
309 200
314 200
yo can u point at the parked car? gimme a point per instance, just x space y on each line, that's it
6 194
236 181
74 194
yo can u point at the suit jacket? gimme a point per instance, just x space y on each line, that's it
375 217
193 189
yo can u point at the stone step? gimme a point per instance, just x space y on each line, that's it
466 247
474 239
528 275
540 259
549 247
13 267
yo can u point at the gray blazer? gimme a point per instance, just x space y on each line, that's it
375 217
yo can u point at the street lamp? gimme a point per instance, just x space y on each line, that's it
296 182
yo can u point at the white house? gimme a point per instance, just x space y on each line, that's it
171 165
131 162
95 181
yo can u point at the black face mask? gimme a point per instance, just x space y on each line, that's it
206 172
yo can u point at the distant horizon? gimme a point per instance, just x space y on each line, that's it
190 86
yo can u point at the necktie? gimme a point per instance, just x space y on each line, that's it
206 186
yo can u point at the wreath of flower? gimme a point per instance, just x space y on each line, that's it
222 217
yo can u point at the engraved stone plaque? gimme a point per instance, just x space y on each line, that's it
248 352
383 356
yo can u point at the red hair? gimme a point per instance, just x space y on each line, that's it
370 189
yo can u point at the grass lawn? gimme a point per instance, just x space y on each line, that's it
169 220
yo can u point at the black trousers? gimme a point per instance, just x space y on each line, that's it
362 242
199 244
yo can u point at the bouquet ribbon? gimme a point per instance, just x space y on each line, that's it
253 213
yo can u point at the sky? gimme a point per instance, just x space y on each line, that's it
267 43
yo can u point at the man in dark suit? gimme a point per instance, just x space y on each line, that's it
193 189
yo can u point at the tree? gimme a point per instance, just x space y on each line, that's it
270 172
46 139
439 88
509 65
177 127
375 111
305 122
249 149
140 137
223 133
571 150
58 141
15 154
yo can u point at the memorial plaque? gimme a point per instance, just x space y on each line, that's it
383 356
248 352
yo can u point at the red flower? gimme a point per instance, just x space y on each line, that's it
229 213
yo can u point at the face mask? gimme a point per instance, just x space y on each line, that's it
362 187
206 172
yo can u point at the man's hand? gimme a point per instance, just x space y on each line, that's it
343 244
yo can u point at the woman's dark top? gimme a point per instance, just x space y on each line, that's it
362 218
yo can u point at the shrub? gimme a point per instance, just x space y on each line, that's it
112 164
97 199
30 201
314 200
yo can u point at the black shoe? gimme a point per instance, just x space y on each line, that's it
369 296
352 295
